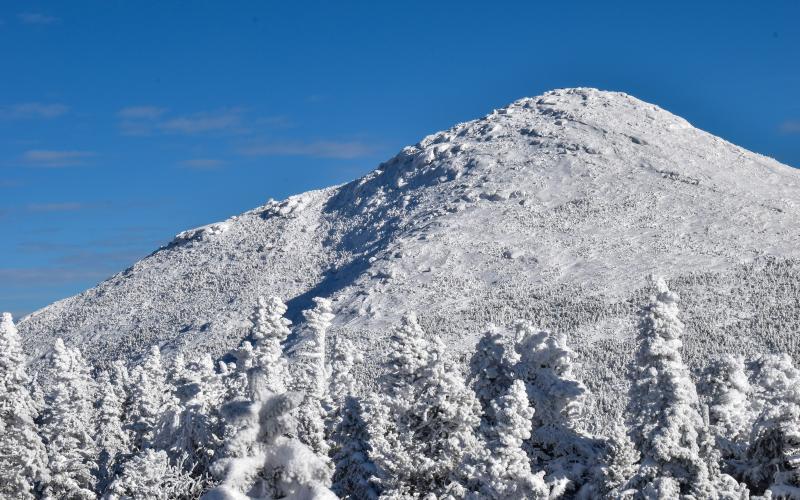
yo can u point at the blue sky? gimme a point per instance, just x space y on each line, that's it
125 122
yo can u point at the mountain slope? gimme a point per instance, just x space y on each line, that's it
555 208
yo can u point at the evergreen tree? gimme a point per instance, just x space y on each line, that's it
507 473
261 460
197 433
113 440
150 399
354 473
67 425
492 368
621 461
270 329
311 375
23 459
726 387
545 364
423 426
773 461
668 428
151 474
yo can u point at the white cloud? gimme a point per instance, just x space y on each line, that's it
345 150
37 18
54 158
203 163
55 207
791 127
32 110
141 112
223 120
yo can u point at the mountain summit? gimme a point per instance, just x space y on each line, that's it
555 209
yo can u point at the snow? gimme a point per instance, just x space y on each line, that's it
554 209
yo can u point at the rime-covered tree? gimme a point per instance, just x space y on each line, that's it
492 371
113 440
726 388
545 364
773 456
150 399
270 328
507 471
423 426
67 425
620 463
310 374
353 471
667 426
151 474
193 433
23 459
261 460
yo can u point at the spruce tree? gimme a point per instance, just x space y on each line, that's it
423 426
311 376
507 473
67 425
667 425
23 459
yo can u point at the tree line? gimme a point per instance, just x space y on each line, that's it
271 422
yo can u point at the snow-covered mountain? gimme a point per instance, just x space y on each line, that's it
555 209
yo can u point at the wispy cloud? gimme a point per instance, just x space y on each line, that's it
791 127
56 207
37 18
55 158
27 110
141 112
342 150
223 120
203 163
146 120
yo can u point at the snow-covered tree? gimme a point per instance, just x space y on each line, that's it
270 328
67 425
492 371
667 426
545 364
310 374
113 440
354 472
423 426
150 399
726 388
507 474
193 433
773 456
23 459
261 460
151 474
620 462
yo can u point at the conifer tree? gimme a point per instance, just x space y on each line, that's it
492 368
311 376
423 426
113 440
668 428
270 329
23 459
772 461
150 399
67 425
727 388
261 460
507 472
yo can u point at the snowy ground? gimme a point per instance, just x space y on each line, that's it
556 209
